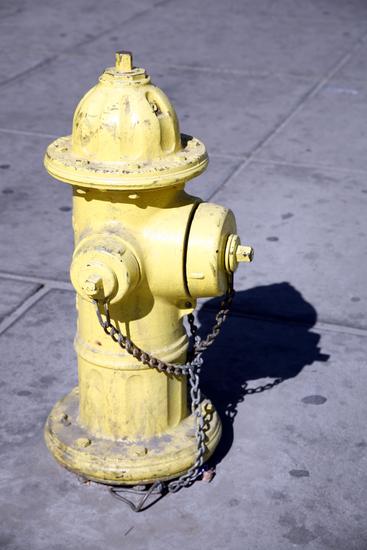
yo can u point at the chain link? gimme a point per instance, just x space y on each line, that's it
190 369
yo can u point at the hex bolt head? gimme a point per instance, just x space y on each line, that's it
64 419
141 451
208 407
92 285
83 442
244 253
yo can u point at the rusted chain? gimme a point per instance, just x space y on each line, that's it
190 369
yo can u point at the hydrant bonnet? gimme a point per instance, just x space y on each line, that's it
125 136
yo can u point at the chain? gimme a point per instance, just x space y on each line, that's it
190 369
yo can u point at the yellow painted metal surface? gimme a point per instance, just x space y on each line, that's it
150 249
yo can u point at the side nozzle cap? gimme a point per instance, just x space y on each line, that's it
104 268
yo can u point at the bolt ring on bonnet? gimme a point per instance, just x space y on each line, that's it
184 165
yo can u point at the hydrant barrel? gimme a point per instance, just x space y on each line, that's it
145 250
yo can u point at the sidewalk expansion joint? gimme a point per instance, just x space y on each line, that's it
13 317
307 96
47 285
239 159
318 325
72 48
26 133
51 283
309 165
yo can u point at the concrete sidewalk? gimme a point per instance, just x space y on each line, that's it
277 91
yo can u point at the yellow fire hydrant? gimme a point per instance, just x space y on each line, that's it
145 250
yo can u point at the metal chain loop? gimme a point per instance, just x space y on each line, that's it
190 369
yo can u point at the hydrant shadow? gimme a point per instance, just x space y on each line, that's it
267 336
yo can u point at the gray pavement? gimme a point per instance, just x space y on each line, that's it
277 90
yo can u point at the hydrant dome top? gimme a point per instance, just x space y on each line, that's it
125 136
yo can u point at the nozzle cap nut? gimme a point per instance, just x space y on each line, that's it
244 253
236 252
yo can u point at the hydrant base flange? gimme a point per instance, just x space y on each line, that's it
125 462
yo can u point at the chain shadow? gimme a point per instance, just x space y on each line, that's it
250 348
